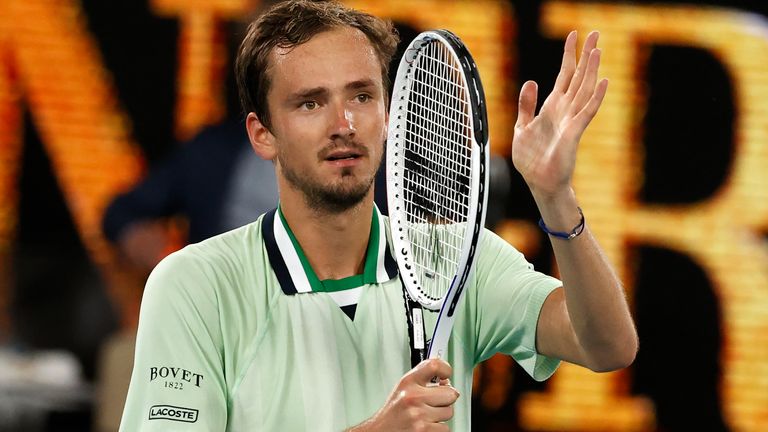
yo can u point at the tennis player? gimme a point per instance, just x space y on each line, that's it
296 322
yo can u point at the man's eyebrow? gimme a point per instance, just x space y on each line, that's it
309 93
361 83
315 92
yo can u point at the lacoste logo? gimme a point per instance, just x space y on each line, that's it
169 412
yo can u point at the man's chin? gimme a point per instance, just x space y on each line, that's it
340 199
344 192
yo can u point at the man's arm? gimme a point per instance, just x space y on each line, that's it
137 220
588 321
178 381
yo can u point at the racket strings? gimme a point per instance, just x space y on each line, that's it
459 102
436 128
432 183
438 145
449 163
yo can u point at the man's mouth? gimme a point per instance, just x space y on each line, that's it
343 155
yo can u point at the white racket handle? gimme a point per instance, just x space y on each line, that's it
439 344
443 326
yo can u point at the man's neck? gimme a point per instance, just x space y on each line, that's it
334 243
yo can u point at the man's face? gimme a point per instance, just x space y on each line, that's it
328 117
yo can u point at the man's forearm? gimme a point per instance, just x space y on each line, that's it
594 296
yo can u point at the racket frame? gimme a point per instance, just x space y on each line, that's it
478 187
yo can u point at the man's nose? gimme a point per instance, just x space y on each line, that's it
343 123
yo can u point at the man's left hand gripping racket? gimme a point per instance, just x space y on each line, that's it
437 173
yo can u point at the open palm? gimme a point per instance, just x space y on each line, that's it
544 145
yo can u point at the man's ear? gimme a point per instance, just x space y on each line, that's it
262 140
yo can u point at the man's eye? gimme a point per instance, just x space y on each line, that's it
309 105
363 97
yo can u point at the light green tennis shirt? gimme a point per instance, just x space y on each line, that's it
237 333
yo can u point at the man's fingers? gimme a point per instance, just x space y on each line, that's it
527 105
425 371
442 414
442 396
568 64
588 113
578 76
588 85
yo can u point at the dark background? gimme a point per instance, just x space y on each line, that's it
688 148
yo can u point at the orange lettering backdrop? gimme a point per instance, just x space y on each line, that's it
721 234
51 64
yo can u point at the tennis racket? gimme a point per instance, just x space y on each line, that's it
437 173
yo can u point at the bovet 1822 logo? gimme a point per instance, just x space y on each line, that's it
175 373
170 412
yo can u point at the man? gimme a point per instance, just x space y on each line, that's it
214 181
296 322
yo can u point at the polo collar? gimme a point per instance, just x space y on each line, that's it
292 267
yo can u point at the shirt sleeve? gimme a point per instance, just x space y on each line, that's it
178 378
506 300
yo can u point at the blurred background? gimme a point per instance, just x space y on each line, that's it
96 97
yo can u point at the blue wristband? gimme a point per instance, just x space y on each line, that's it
575 232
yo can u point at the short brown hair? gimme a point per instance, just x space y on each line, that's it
292 23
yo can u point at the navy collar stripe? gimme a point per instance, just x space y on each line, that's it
275 257
279 249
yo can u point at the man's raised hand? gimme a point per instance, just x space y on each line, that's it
544 145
